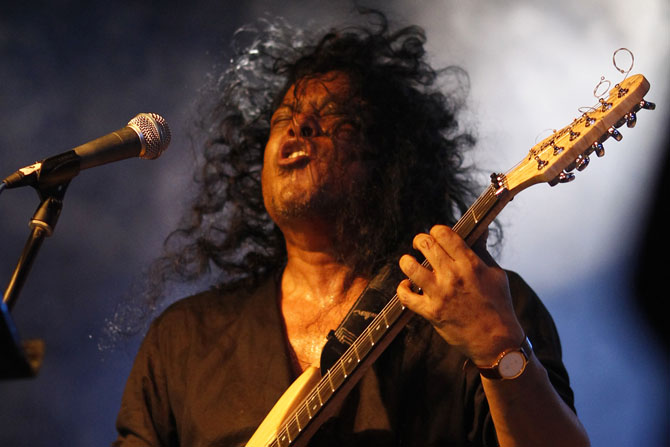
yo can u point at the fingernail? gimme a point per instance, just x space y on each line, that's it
427 242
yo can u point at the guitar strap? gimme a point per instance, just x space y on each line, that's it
373 299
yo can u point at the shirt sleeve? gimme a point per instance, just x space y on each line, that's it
541 330
444 401
145 417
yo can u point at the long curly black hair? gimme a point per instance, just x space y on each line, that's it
417 180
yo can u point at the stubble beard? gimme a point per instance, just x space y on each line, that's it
338 200
342 201
319 203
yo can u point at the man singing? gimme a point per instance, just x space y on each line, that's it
330 159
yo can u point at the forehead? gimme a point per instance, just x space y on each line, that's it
313 89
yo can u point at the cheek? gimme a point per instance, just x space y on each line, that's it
265 173
272 144
266 193
266 154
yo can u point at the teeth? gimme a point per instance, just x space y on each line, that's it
297 154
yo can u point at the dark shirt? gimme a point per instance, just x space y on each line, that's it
213 365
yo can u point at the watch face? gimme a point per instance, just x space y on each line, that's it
512 365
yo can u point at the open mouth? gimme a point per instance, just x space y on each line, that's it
294 152
297 154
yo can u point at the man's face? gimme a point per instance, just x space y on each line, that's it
312 157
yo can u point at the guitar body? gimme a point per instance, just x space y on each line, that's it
285 406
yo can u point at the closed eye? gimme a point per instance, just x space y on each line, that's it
284 113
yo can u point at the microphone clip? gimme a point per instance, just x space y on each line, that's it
48 173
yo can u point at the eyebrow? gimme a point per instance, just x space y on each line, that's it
330 99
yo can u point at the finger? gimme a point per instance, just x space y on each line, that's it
417 273
409 298
453 244
433 251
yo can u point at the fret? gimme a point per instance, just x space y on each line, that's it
307 406
358 356
349 360
344 372
312 405
297 421
318 394
338 374
330 380
324 390
359 349
283 439
379 330
304 415
302 419
293 428
288 432
393 310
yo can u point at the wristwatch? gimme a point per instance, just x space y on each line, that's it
510 364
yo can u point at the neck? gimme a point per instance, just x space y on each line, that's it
315 271
317 290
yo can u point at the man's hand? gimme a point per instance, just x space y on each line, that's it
467 300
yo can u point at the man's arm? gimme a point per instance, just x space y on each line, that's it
468 302
527 411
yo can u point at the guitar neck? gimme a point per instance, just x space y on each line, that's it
348 369
482 212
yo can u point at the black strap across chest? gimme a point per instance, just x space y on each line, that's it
373 299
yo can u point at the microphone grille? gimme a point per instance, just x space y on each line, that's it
154 132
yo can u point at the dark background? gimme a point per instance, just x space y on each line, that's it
73 71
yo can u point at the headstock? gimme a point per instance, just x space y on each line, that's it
554 159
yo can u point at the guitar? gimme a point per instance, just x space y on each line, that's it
312 399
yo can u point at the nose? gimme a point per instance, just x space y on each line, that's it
303 126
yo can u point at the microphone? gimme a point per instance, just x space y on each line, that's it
146 136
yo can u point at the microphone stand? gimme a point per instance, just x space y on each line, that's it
23 359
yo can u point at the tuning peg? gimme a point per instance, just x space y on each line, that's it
631 119
598 148
615 133
647 105
563 177
621 122
566 177
582 162
644 105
